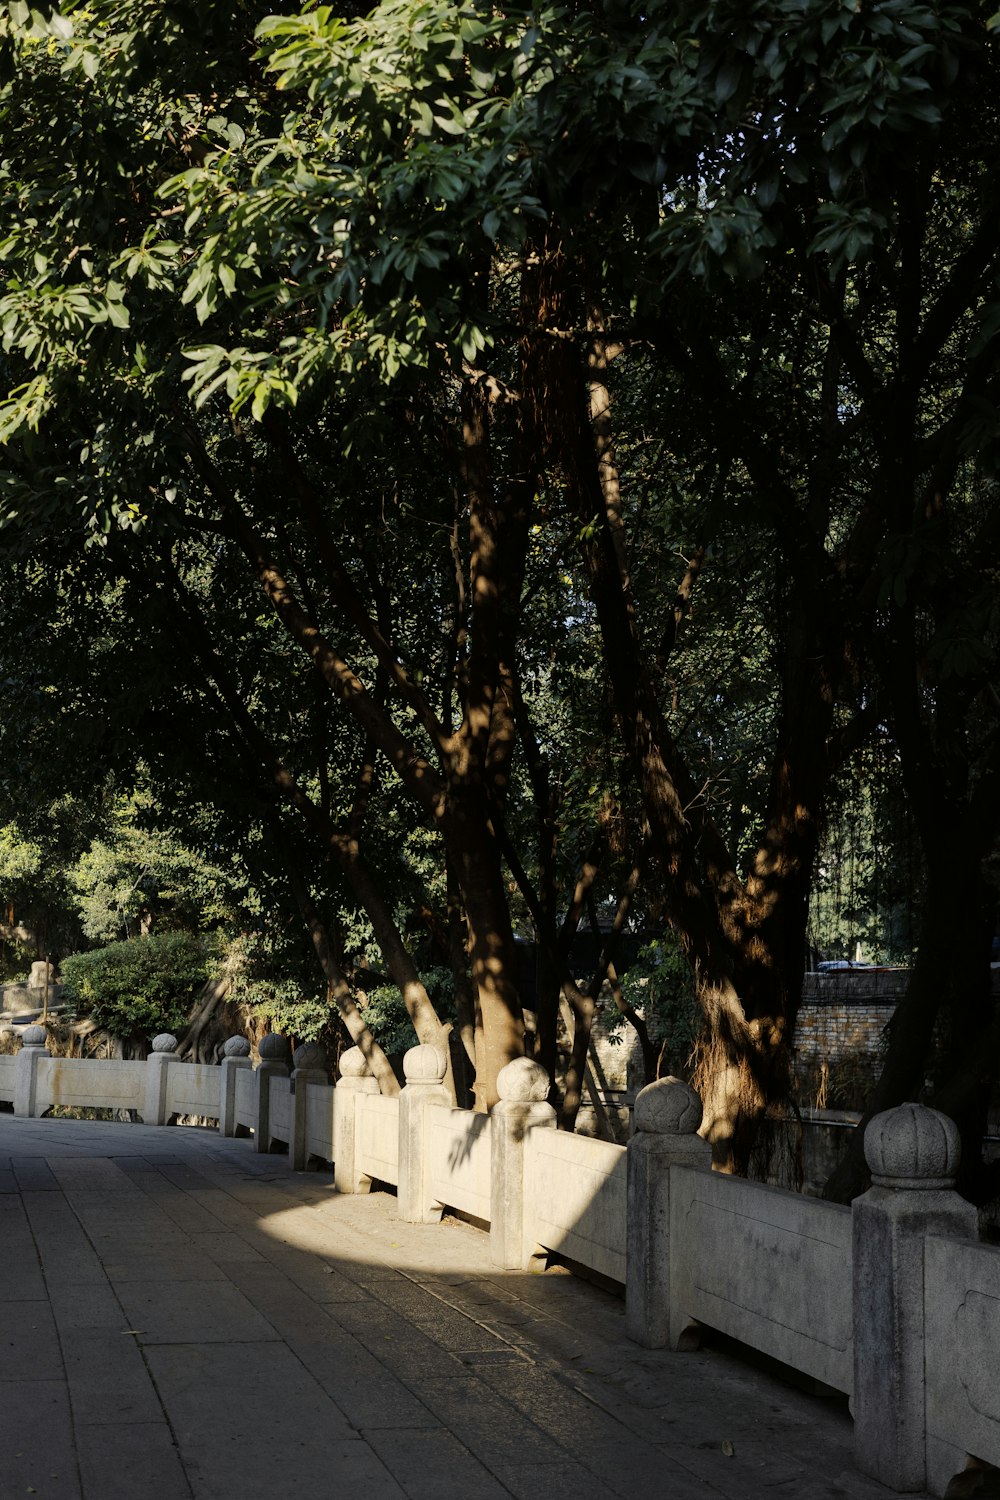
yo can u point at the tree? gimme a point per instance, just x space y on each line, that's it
521 245
780 135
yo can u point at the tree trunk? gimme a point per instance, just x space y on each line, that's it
948 972
491 950
209 1024
338 989
465 1004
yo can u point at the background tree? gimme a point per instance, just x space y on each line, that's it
693 309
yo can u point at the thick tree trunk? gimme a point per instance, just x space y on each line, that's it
946 1030
338 989
208 1025
491 951
579 1012
475 759
948 986
465 1001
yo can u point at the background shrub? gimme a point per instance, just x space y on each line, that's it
141 986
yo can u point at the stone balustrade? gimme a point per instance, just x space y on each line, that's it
892 1301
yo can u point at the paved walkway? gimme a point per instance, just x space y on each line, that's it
180 1317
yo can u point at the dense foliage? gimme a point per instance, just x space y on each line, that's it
514 468
140 987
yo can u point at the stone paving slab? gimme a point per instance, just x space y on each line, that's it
433 1464
39 1449
182 1319
126 1463
107 1376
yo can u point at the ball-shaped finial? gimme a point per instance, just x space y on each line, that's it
523 1081
237 1046
34 1036
424 1064
273 1047
309 1055
668 1107
164 1042
913 1147
354 1064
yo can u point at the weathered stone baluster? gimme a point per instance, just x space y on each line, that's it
154 1111
913 1153
308 1066
348 1099
424 1070
235 1060
26 1070
275 1055
523 1087
667 1116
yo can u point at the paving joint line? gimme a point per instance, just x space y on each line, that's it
141 1348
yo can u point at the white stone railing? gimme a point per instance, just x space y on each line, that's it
962 1334
576 1190
8 1064
459 1150
892 1301
377 1141
243 1111
83 1083
320 1125
193 1089
778 1277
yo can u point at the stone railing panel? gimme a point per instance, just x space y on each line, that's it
279 1108
575 1196
459 1142
765 1266
378 1138
8 1068
245 1113
193 1089
89 1083
962 1340
320 1122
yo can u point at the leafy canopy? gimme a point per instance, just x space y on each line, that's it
139 987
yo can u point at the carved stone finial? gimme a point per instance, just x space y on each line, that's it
913 1147
309 1055
523 1081
164 1042
273 1047
424 1064
34 1036
237 1046
354 1064
668 1107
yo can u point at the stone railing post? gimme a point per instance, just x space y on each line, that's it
26 1070
235 1060
154 1110
308 1066
424 1069
667 1117
354 1083
913 1153
275 1054
523 1087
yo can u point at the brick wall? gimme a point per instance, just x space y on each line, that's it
839 1037
830 1032
840 1034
